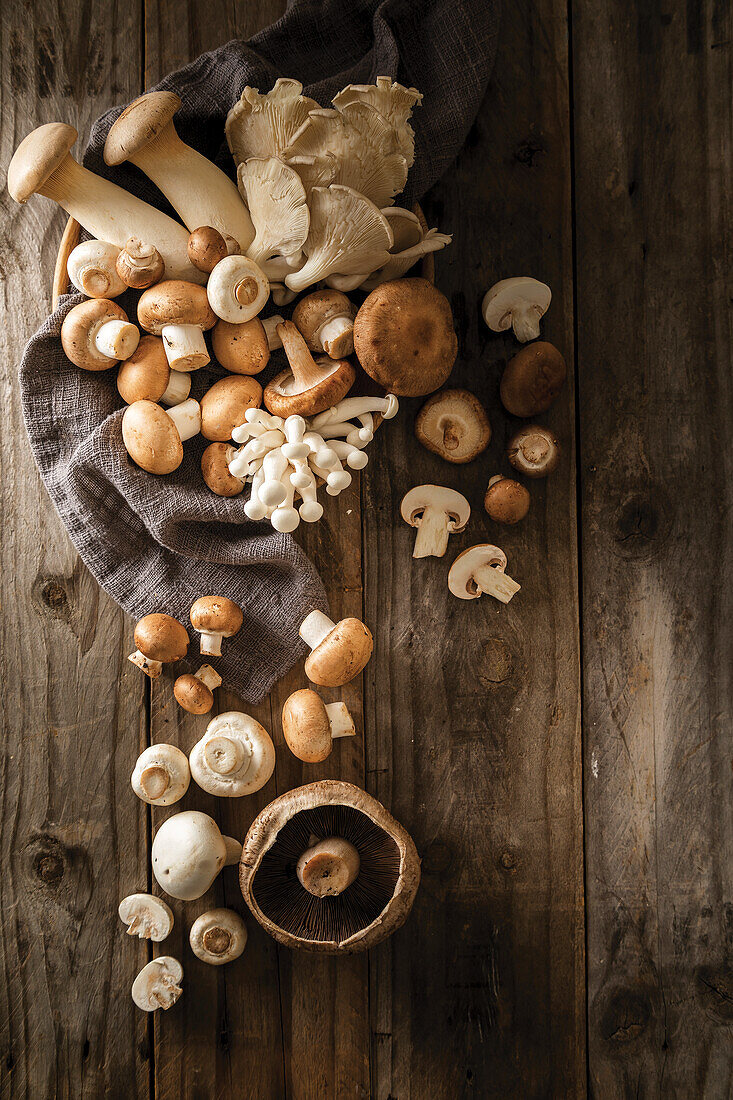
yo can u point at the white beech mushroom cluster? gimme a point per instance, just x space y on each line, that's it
285 458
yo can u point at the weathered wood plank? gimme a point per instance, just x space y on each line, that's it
73 841
473 708
653 190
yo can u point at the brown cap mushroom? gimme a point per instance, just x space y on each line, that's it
180 313
195 692
310 725
534 451
453 424
404 338
224 405
241 349
146 376
160 639
373 897
506 501
206 246
532 379
154 438
139 264
310 385
215 617
215 469
96 334
339 650
325 319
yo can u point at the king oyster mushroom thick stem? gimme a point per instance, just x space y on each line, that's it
437 512
42 164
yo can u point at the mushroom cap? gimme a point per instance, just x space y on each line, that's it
280 400
316 310
206 247
506 501
216 613
161 978
215 469
306 728
241 348
192 694
161 638
393 101
404 338
276 199
218 936
453 424
216 768
262 125
151 438
532 379
341 655
139 124
161 775
144 376
534 451
77 327
373 907
188 853
454 504
224 405
148 917
37 157
174 302
460 575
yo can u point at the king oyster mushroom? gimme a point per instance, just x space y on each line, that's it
309 386
263 125
393 101
235 756
364 876
453 424
277 204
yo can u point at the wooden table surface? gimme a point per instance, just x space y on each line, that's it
564 762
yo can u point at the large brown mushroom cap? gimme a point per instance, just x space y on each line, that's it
453 424
174 302
306 728
138 124
144 376
192 694
37 157
342 654
76 327
241 349
370 909
215 469
404 337
151 438
161 638
532 379
224 405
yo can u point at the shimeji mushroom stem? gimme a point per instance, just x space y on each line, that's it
492 582
432 534
117 339
314 628
178 388
185 347
341 722
187 419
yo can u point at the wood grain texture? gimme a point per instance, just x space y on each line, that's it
472 708
653 155
72 841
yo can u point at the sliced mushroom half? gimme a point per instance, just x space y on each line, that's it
453 424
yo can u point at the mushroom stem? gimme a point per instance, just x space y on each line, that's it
333 331
432 534
314 628
306 371
185 347
187 418
223 754
209 676
329 867
154 781
233 851
117 339
493 582
526 322
270 327
152 669
177 390
341 722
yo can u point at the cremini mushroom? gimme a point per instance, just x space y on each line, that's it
263 125
310 725
352 917
146 376
339 651
139 264
215 469
197 190
147 917
154 437
479 570
534 451
91 268
180 313
235 756
215 617
325 320
42 164
241 348
506 501
188 853
276 201
438 513
96 335
161 775
195 691
237 289
224 405
218 936
158 985
519 303
453 424
310 385
404 337
532 379
393 101
160 640
206 247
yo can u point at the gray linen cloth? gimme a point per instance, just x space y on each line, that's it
156 543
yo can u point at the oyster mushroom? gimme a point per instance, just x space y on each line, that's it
237 289
519 302
374 905
139 264
310 726
215 617
325 320
479 570
216 473
401 260
91 268
147 917
532 379
438 513
158 985
160 640
96 335
161 775
453 424
146 376
154 437
310 385
328 867
195 692
180 313
188 853
235 756
534 451
393 101
404 337
276 200
224 405
263 125
506 501
218 936
339 650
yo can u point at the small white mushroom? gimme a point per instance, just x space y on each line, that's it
188 853
158 985
519 302
147 917
352 407
91 268
237 289
479 570
218 936
437 512
235 756
262 125
277 204
161 775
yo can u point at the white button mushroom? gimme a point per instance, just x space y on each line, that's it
96 335
147 917
519 302
479 570
158 985
237 289
437 512
92 269
218 936
235 756
161 775
189 852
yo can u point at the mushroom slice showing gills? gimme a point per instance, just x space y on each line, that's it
438 513
310 385
235 756
276 200
519 303
326 868
453 424
479 570
218 936
147 917
158 985
263 125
